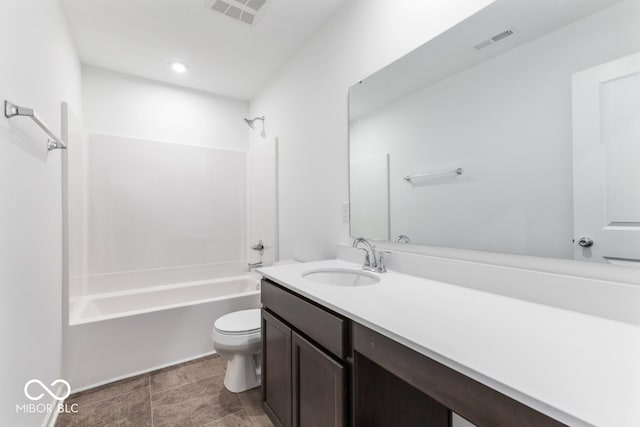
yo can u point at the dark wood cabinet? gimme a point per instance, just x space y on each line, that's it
319 386
383 399
382 363
276 370
321 369
304 380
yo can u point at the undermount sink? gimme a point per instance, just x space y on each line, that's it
341 277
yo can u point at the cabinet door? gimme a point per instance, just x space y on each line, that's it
276 370
319 386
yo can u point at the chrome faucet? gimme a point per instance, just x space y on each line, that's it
382 268
370 262
403 238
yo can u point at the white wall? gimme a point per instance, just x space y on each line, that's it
118 104
306 107
39 69
515 144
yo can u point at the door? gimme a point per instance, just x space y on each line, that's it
276 370
319 387
606 162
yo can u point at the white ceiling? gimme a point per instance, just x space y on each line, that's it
223 56
453 51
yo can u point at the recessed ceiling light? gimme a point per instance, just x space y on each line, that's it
179 67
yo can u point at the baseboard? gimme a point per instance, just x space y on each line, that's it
50 418
133 374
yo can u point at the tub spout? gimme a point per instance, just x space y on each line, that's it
252 265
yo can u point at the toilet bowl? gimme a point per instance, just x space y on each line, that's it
236 337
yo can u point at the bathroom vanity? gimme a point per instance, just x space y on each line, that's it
327 381
304 360
405 350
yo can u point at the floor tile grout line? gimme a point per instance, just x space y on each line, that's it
183 364
178 386
210 422
151 397
148 375
184 384
106 386
90 391
114 397
150 402
250 417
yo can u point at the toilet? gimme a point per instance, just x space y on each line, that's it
236 337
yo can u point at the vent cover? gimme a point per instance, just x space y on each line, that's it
239 10
498 37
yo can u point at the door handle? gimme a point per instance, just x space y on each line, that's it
585 242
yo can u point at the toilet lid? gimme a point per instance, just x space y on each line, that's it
239 322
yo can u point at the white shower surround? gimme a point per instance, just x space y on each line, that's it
157 254
150 205
160 215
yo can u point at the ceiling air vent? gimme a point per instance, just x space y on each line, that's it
498 37
239 10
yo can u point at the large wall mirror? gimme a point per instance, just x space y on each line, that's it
516 131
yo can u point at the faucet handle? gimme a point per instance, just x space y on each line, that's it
382 268
259 247
403 238
367 260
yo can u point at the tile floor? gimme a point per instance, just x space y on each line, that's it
190 394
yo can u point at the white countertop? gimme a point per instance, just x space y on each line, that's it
578 368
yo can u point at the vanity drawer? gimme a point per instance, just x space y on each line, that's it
323 327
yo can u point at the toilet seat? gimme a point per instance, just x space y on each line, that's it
244 322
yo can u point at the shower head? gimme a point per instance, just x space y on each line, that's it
249 122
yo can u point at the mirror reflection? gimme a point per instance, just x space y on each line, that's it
516 131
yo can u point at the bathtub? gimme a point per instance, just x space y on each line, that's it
112 305
120 332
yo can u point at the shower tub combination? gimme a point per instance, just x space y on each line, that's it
130 323
137 204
